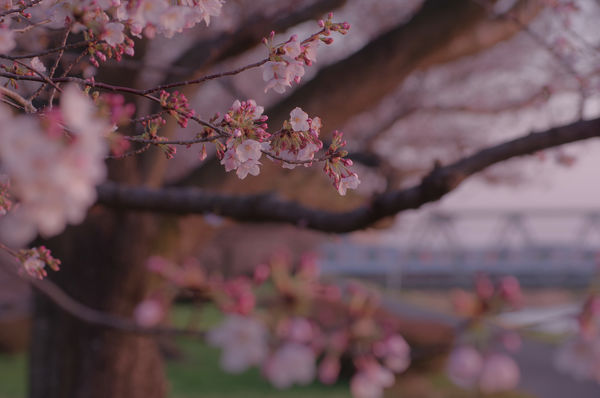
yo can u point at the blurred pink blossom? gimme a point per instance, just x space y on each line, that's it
291 364
243 340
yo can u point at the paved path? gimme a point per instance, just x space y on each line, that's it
538 374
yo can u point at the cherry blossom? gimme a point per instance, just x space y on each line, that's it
243 158
395 353
299 120
37 65
248 149
277 76
113 33
37 260
349 182
499 373
297 329
292 48
310 51
291 364
243 340
209 8
34 266
248 167
174 20
53 180
371 380
464 366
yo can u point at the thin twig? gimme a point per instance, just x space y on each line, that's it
25 103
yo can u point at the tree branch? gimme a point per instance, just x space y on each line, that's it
269 208
206 53
95 317
439 32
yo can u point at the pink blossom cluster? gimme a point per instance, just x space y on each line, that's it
54 164
112 21
298 141
337 167
474 363
492 373
373 376
248 138
286 61
580 356
243 340
35 260
293 327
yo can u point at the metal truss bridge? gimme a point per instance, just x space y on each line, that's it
558 247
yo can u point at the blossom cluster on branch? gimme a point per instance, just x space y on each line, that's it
52 158
53 162
477 362
284 320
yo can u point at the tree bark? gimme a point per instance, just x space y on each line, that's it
102 268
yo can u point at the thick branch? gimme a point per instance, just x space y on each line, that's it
229 44
441 31
269 208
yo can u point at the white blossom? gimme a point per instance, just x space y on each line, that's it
499 373
53 180
243 340
299 120
248 150
292 47
464 366
291 364
349 182
113 33
37 65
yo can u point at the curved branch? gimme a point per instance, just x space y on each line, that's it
96 317
269 208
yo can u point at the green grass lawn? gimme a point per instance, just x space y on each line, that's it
12 376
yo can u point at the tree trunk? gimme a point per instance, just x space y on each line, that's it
103 267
